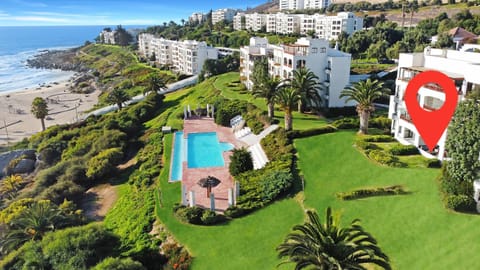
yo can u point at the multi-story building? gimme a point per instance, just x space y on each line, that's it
239 21
332 67
107 37
326 27
253 21
462 67
291 4
186 56
197 17
224 14
303 4
316 4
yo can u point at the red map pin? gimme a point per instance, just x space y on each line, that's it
431 124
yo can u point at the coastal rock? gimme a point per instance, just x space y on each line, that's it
57 59
24 166
6 158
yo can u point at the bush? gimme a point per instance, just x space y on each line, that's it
275 183
433 163
104 163
295 134
227 109
346 123
404 150
364 145
378 138
381 122
118 264
385 158
369 192
234 212
178 257
191 215
209 217
241 161
461 203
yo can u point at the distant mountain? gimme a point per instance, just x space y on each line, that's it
269 7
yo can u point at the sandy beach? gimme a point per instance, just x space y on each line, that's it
64 107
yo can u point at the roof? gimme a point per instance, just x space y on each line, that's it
459 32
451 75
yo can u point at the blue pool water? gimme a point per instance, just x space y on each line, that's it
200 150
178 157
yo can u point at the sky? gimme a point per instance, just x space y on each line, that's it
107 12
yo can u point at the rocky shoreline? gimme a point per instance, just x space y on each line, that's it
57 59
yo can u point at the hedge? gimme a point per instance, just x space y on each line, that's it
378 138
385 158
370 192
196 215
461 203
404 150
296 134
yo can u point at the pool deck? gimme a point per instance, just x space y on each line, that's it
192 175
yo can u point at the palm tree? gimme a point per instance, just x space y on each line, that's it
267 90
364 93
11 184
404 10
287 98
40 110
32 224
118 96
412 9
154 84
306 83
314 245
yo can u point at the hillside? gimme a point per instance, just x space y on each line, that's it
269 7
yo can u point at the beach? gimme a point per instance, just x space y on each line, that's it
64 107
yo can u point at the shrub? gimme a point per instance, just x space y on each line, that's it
104 163
346 123
191 215
404 150
461 203
364 145
385 158
118 264
381 122
227 109
209 217
241 161
234 212
433 163
295 134
178 257
378 138
369 192
275 183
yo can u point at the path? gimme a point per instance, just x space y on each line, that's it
252 139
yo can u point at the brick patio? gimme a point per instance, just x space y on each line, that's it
191 176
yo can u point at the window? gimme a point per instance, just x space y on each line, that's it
314 50
323 50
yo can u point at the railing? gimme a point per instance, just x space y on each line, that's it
406 117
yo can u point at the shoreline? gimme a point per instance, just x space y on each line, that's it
64 107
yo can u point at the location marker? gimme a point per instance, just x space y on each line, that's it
431 124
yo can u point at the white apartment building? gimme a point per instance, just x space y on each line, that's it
186 56
462 67
239 21
107 37
197 17
331 66
291 4
224 14
326 27
303 4
253 21
316 4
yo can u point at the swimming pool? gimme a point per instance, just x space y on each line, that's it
200 150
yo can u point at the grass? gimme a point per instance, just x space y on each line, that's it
300 121
244 243
415 230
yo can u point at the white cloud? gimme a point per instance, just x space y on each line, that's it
38 19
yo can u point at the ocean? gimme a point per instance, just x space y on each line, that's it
19 43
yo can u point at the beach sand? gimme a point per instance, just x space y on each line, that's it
64 107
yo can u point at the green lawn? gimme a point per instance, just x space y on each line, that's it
245 243
300 121
415 230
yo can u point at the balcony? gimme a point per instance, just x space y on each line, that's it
429 108
295 49
406 117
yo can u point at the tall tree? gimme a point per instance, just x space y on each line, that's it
463 147
307 84
40 110
260 72
267 90
118 96
364 93
287 98
412 9
122 36
404 4
154 84
316 245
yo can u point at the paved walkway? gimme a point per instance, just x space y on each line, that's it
192 175
252 139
